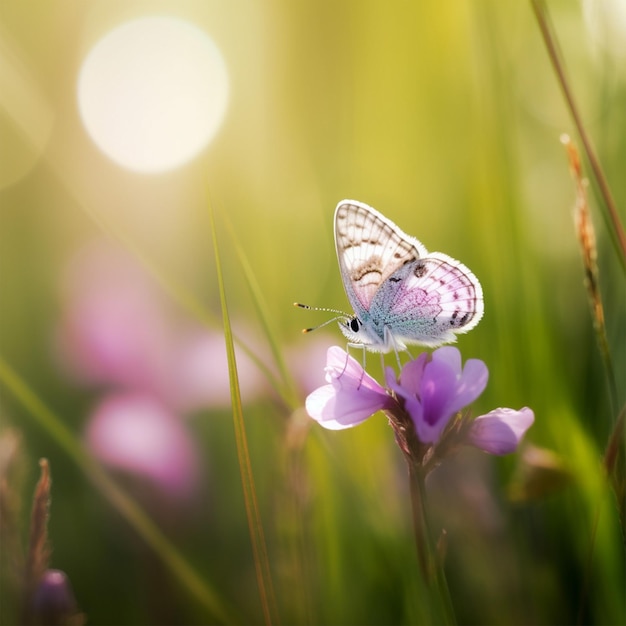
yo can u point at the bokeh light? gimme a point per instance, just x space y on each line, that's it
153 92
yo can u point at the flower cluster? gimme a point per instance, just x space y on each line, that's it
153 366
425 404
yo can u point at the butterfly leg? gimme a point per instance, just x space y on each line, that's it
394 345
362 347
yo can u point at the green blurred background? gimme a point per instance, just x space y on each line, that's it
446 117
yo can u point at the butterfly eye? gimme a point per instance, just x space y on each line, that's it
355 324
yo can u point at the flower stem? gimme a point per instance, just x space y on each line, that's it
420 524
431 564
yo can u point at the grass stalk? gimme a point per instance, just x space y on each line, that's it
549 37
257 537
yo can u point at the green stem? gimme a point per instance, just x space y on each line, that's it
420 523
431 565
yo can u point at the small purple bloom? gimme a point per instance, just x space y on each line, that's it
53 600
436 388
426 399
501 430
351 395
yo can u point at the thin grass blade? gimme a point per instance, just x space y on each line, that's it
286 389
618 234
257 536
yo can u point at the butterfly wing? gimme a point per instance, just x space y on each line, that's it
370 248
429 301
400 293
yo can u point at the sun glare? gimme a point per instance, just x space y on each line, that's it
152 93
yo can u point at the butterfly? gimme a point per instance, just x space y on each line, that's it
400 293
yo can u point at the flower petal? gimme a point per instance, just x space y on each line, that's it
351 396
437 388
337 409
501 430
436 395
451 356
411 375
340 365
470 385
338 358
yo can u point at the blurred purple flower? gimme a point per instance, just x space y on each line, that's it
53 601
198 373
117 330
305 361
351 395
431 391
134 432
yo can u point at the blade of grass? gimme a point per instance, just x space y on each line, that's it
257 537
126 506
287 390
547 31
292 505
615 464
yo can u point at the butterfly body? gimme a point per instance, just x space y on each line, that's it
400 293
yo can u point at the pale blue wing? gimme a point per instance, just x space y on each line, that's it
429 301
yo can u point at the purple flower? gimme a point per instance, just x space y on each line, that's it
53 600
351 395
118 331
501 430
429 395
133 432
436 388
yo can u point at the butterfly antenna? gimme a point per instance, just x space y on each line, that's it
339 315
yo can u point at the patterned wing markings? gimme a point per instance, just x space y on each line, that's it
400 293
370 249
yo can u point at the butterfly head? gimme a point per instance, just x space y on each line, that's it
352 328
